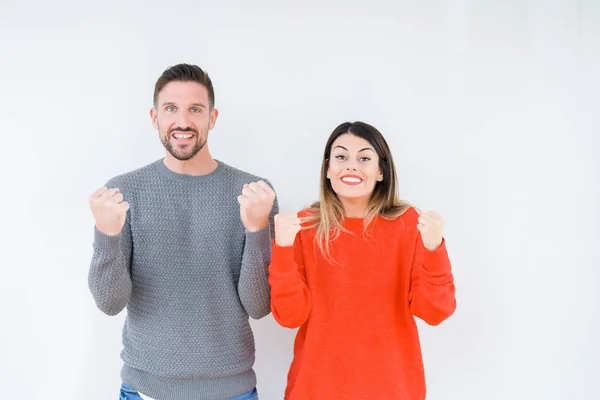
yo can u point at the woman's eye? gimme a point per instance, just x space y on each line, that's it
365 159
340 157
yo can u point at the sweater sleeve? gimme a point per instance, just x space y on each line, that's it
108 278
431 295
253 286
290 297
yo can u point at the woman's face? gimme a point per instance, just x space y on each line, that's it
353 168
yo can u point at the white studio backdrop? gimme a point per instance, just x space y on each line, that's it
491 110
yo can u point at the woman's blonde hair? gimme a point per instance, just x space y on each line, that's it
327 214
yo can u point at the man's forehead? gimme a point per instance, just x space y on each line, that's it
183 92
191 103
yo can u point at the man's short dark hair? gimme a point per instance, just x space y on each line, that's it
185 73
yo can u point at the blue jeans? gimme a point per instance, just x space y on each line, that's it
129 393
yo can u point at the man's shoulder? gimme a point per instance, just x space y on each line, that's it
239 175
134 177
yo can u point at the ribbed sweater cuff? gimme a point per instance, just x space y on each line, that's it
437 260
259 239
106 242
282 259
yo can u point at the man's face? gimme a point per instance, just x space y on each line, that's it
183 117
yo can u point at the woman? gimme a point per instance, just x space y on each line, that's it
352 271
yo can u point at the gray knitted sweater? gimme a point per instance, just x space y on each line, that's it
190 275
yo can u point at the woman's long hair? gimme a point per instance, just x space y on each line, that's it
327 214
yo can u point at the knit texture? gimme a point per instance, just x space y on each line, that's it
189 275
358 337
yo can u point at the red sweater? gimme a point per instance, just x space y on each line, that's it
358 337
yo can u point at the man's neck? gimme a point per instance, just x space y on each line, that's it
201 164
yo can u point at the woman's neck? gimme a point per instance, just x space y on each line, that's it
355 208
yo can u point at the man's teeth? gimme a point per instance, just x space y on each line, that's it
352 180
182 136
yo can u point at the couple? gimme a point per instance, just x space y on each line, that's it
193 247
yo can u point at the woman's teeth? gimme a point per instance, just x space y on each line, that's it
351 180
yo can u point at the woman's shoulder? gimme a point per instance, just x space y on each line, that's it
403 219
309 217
410 214
308 212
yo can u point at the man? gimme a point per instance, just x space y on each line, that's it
184 243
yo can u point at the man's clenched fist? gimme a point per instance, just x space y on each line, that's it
109 210
256 203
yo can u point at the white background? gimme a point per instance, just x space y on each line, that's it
490 107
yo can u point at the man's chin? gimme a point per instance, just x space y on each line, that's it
183 153
183 156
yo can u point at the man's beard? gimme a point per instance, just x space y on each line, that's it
184 154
